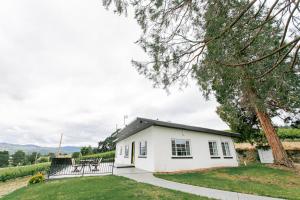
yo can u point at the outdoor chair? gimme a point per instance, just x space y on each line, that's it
75 166
96 164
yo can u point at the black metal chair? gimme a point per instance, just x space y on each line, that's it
75 166
96 164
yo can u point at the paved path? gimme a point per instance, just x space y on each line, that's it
147 177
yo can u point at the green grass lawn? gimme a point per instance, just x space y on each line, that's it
253 179
89 188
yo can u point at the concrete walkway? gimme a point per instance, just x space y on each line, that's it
147 177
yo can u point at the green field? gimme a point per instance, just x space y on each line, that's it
254 179
92 188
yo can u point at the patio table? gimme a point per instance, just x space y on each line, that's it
86 163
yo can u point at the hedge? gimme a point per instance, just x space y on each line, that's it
289 133
21 171
284 133
109 154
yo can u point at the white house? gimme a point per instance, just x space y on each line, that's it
159 146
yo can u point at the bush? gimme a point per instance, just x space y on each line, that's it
288 133
43 159
4 158
76 155
38 178
109 154
21 171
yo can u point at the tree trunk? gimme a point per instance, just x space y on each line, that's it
280 155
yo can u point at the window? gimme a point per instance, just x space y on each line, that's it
213 149
225 149
143 149
126 151
181 148
120 152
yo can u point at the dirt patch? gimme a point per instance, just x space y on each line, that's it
288 145
293 182
12 185
192 171
297 166
296 169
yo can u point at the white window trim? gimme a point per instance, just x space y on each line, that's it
218 153
126 155
183 156
120 153
229 149
146 146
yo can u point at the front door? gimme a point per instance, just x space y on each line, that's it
132 153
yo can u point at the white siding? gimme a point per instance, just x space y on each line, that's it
159 151
199 150
141 163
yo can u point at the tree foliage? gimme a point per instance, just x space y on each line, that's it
33 157
174 33
241 121
107 144
76 155
261 40
18 158
86 150
278 94
4 158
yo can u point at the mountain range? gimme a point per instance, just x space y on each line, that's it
29 148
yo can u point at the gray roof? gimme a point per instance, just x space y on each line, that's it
140 124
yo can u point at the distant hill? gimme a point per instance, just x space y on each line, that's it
29 148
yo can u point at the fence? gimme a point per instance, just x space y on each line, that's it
68 167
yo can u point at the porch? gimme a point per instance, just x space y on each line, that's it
68 167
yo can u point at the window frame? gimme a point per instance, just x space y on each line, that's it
225 155
176 156
121 151
215 156
126 151
145 149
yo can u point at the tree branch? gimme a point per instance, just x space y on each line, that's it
277 63
263 57
288 22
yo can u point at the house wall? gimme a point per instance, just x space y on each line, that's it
141 163
159 151
199 150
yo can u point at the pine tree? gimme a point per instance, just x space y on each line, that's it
243 86
246 53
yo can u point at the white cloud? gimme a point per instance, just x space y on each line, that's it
65 67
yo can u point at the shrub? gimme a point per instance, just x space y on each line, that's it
4 158
289 133
76 155
247 155
38 178
109 154
21 171
43 159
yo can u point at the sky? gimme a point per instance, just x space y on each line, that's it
65 67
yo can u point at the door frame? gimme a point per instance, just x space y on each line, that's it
132 153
